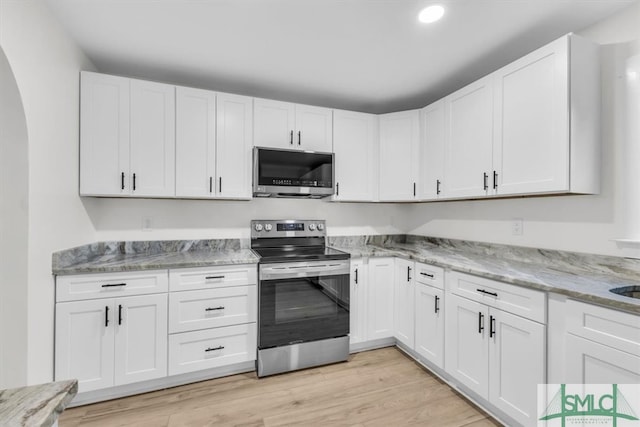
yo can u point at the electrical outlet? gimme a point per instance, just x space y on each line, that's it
147 223
517 227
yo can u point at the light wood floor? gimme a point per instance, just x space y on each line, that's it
375 388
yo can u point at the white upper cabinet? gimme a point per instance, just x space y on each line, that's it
234 145
469 140
195 142
292 126
152 139
104 135
546 120
399 147
355 146
127 137
432 151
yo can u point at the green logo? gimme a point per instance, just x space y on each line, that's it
604 404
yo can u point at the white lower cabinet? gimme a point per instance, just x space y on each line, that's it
498 355
404 302
358 302
111 341
212 317
380 298
429 323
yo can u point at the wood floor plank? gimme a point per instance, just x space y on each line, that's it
376 388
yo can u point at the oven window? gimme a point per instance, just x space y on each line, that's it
303 309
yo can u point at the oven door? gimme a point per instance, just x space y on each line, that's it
303 301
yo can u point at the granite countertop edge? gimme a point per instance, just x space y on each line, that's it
38 405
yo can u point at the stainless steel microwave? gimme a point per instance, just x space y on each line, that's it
292 173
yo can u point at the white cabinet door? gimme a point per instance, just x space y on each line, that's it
399 147
531 145
468 167
354 145
234 144
517 364
274 124
429 333
152 139
358 302
104 135
380 304
432 151
589 362
466 354
141 338
404 302
84 343
195 142
313 128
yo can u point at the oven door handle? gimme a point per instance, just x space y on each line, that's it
292 271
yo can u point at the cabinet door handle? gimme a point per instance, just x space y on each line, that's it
495 180
408 274
299 137
356 280
487 292
210 184
437 308
214 277
106 316
480 322
337 188
291 138
485 179
214 308
414 189
431 276
220 184
437 186
134 182
492 326
119 314
220 347
113 285
122 181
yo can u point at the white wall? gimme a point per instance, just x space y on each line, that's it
13 231
575 223
46 63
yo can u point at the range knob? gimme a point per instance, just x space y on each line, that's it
312 226
320 227
258 227
268 227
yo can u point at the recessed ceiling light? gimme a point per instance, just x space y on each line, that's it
431 14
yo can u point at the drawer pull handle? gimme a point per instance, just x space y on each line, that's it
213 277
431 276
220 347
214 308
113 285
487 292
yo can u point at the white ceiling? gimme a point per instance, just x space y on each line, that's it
366 55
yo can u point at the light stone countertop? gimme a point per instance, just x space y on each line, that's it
583 277
38 405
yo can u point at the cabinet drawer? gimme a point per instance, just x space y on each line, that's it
211 348
210 308
91 286
430 275
213 277
521 301
614 328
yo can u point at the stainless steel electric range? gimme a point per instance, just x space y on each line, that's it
303 296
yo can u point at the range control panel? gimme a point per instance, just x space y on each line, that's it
287 228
